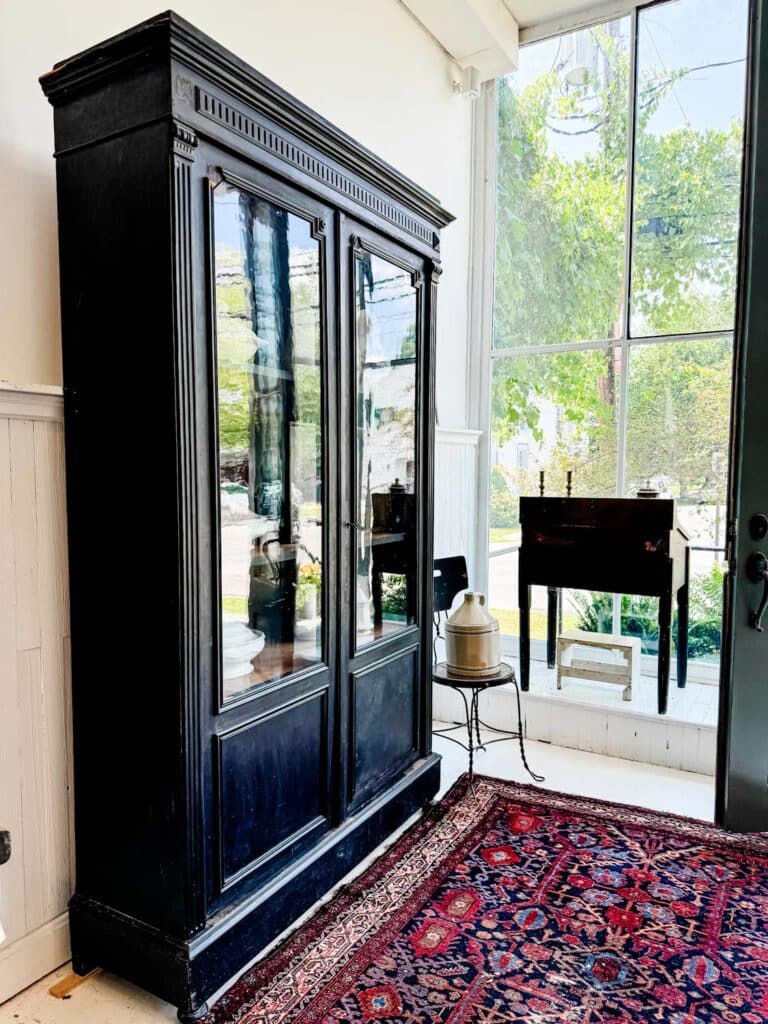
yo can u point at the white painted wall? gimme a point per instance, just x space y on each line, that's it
367 66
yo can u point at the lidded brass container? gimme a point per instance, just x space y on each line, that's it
472 639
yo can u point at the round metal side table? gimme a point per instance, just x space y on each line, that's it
475 686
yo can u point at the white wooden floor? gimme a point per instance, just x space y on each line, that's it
105 999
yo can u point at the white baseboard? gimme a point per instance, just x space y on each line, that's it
28 959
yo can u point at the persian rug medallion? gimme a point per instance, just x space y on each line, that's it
516 904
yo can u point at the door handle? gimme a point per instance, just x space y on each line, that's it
757 572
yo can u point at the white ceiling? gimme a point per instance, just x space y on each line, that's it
531 12
485 34
478 33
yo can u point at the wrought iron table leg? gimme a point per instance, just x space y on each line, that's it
534 776
476 717
468 709
472 723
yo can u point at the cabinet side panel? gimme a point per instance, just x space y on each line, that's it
116 285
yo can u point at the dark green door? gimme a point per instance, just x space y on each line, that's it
742 771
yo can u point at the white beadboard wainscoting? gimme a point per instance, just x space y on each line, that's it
35 736
456 507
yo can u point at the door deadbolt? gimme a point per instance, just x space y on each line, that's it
758 526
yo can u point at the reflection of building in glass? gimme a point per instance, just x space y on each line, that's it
583 62
524 451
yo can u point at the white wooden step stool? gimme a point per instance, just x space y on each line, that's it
623 668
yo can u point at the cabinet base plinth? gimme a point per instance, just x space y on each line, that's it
187 973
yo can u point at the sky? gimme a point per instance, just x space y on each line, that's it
673 35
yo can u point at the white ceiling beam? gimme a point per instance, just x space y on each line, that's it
584 16
480 33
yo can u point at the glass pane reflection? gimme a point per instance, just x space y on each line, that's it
560 189
386 343
678 425
268 338
691 74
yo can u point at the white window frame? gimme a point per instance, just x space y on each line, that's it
481 296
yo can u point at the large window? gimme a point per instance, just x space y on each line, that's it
619 169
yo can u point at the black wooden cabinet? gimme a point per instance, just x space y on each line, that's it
248 309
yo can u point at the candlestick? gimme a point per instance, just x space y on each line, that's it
569 481
541 483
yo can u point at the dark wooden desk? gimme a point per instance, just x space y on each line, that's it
393 547
618 545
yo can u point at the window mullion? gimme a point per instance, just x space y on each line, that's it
621 426
587 346
630 188
564 346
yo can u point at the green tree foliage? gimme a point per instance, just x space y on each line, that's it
504 508
678 415
560 268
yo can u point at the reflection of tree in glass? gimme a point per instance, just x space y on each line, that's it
236 343
408 346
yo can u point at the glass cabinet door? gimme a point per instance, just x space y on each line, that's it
269 395
385 556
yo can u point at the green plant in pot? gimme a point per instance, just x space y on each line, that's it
308 584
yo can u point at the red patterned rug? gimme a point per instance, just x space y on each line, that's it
517 904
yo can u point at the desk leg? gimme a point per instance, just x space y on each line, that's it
682 636
552 596
376 595
665 637
524 603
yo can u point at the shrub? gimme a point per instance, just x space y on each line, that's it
504 508
639 615
394 594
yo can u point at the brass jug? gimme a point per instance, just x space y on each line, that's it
472 639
